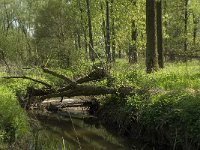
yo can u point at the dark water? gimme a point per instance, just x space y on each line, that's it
75 134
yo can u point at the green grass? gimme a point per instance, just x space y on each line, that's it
13 122
175 76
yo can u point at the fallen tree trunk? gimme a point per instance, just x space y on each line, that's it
83 90
79 90
73 88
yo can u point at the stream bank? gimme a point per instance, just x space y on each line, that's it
162 122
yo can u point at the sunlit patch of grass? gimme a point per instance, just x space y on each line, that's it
177 76
174 76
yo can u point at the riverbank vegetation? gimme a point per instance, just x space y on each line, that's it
138 58
14 122
166 114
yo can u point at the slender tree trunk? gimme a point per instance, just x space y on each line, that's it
7 23
103 25
85 43
160 34
185 21
108 55
151 50
132 55
91 45
83 29
113 32
113 41
133 49
195 22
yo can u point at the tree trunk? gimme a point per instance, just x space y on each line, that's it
133 49
83 29
113 32
132 55
159 34
185 21
195 22
151 50
108 55
91 45
103 25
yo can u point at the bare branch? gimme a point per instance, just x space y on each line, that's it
28 78
66 79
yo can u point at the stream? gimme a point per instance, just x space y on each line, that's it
71 133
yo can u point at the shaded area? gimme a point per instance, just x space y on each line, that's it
80 133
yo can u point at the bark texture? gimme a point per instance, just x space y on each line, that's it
160 34
151 46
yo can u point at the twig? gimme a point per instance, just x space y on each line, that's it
79 143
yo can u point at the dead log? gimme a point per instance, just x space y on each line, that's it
82 90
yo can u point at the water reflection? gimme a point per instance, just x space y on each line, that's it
74 134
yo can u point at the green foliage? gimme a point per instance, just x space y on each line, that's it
14 122
174 111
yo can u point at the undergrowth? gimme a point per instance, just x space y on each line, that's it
13 122
169 113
